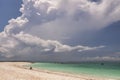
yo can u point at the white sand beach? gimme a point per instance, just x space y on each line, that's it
16 71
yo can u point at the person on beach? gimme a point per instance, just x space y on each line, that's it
30 68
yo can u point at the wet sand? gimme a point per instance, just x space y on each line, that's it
16 71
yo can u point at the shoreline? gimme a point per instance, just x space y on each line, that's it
76 74
19 71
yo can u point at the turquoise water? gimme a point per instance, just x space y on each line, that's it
109 70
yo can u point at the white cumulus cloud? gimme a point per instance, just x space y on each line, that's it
44 23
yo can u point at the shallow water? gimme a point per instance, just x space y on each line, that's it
109 70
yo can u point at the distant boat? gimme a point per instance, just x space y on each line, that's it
102 63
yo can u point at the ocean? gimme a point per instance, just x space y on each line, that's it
107 69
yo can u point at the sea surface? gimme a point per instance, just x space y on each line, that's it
107 70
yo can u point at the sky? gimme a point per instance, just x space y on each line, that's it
8 9
60 30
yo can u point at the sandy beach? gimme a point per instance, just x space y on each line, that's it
16 71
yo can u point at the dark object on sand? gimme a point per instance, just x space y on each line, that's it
102 63
30 68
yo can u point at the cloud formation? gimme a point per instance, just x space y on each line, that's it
45 23
27 44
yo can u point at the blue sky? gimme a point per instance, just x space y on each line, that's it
50 30
8 9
